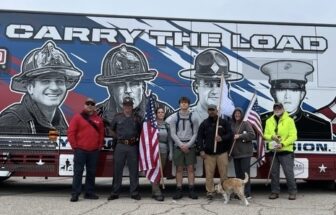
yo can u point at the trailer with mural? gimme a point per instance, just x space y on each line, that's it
50 63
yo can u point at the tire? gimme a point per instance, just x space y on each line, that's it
2 179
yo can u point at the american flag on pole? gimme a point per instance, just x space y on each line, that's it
252 116
149 144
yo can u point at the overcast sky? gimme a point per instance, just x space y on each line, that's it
298 11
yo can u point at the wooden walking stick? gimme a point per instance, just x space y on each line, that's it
161 171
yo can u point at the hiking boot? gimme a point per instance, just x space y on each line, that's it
159 198
74 198
178 194
136 196
91 196
210 196
113 197
292 196
192 193
273 196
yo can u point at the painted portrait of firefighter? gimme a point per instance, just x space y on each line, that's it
124 73
288 80
209 66
47 74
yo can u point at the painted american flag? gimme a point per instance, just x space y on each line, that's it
329 112
253 116
149 144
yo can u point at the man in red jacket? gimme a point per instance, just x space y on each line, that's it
86 135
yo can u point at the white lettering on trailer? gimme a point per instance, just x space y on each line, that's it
194 39
70 33
315 147
286 42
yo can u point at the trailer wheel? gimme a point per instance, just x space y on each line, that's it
2 179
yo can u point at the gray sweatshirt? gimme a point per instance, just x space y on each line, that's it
185 132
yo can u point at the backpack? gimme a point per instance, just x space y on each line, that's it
191 123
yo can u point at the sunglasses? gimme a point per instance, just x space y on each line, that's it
90 103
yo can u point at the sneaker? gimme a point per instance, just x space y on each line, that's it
91 196
248 197
178 194
74 198
192 193
273 196
136 196
113 197
292 196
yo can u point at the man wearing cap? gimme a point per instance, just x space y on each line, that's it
281 134
124 72
210 65
205 143
86 137
46 76
288 79
126 129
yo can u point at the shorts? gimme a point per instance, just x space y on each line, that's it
184 159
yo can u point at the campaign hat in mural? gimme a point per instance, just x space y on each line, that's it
211 64
45 60
128 101
124 63
287 74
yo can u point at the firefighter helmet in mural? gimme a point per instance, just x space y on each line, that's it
47 59
124 63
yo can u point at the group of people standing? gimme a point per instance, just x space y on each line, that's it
181 138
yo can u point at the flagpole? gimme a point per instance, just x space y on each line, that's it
219 110
161 171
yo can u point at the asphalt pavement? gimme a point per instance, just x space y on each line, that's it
40 196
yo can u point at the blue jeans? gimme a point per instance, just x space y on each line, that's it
88 159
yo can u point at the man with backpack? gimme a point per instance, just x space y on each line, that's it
86 136
183 127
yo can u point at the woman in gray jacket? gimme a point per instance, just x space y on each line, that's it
242 147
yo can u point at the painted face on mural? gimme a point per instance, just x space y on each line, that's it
208 92
48 90
291 99
133 89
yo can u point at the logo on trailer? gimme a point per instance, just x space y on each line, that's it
3 56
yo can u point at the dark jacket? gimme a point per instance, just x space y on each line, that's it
243 146
206 136
27 118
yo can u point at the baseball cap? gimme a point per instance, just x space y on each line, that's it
90 101
212 107
277 105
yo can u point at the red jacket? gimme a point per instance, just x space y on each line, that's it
82 135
